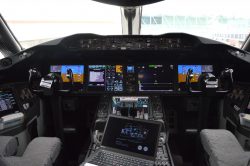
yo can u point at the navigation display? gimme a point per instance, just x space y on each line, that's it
106 78
132 135
7 103
76 71
97 76
197 71
156 77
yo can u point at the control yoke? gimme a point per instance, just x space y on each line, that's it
51 83
226 78
189 77
70 76
208 83
47 85
34 74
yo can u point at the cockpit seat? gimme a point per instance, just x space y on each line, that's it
8 146
223 149
41 151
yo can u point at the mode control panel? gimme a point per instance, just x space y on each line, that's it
130 43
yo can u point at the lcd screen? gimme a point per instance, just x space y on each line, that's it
155 77
77 72
105 78
197 71
8 104
130 69
132 135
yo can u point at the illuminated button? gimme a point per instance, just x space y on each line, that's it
139 147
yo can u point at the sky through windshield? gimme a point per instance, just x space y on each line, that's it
35 21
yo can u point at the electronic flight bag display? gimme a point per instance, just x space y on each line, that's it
137 136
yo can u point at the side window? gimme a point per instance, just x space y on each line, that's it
1 55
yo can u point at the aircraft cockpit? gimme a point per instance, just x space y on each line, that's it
170 99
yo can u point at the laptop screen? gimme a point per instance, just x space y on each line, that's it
138 136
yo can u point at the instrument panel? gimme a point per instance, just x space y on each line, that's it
118 78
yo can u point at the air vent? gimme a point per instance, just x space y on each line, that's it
6 62
25 55
240 54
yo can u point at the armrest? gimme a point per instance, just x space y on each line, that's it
8 146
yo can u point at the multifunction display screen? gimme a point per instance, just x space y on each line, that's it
159 78
106 78
156 77
7 103
76 72
197 71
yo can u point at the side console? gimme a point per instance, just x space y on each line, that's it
236 112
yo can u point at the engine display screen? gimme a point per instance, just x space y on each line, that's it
106 78
156 77
197 71
76 72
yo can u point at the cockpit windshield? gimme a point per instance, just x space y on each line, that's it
34 22
227 21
